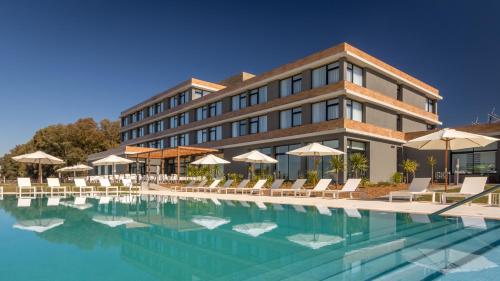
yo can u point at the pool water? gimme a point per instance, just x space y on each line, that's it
162 238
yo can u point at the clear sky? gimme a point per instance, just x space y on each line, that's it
63 60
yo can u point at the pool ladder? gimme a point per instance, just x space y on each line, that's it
467 200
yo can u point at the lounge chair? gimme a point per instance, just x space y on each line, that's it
320 188
54 184
107 186
227 184
418 186
349 187
276 184
127 183
82 187
240 186
212 186
471 186
297 185
193 187
257 188
25 184
180 187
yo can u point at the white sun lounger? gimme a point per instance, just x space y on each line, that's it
349 187
212 186
471 186
240 186
418 186
193 187
127 183
180 187
55 185
107 186
320 188
257 188
82 187
297 185
25 184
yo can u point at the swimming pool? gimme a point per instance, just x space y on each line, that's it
162 238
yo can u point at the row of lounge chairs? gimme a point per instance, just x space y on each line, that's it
297 188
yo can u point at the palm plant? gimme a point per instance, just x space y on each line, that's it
358 163
410 166
432 161
336 166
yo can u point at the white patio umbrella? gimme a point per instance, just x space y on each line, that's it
449 139
255 229
112 160
40 158
315 150
209 222
112 221
448 260
39 225
255 157
314 241
75 168
210 159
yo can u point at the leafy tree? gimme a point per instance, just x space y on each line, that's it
432 161
358 163
337 166
72 143
410 167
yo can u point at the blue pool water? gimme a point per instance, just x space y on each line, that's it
157 239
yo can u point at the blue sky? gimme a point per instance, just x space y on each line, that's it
63 60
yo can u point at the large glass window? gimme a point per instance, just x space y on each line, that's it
291 118
197 93
174 122
355 147
325 110
184 118
215 133
355 74
324 162
478 161
201 136
257 96
327 74
264 169
429 105
354 110
183 97
202 113
215 108
239 128
291 85
173 101
183 139
288 166
258 124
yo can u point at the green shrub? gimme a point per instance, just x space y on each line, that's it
397 178
237 178
312 177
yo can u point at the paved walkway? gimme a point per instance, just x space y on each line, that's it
475 210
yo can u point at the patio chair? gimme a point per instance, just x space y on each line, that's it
107 186
55 185
297 185
127 183
193 187
257 188
180 187
212 186
240 186
25 184
349 187
82 187
418 186
320 188
471 186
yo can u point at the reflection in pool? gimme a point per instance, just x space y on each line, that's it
162 238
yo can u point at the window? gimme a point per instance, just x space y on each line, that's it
215 108
355 147
197 93
183 97
326 110
478 161
235 129
262 123
291 86
151 128
184 118
354 110
215 133
173 141
180 140
202 113
354 74
239 102
173 101
324 162
257 96
266 169
254 125
201 136
174 122
429 105
291 118
141 131
239 128
327 74
288 166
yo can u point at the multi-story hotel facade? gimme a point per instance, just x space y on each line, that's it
341 97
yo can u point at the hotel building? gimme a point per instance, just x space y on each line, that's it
341 97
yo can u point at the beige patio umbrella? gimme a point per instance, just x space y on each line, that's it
211 160
449 139
75 168
112 160
255 157
40 158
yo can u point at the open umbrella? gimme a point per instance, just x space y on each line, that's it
112 160
40 158
314 241
210 159
39 225
75 168
209 222
449 139
255 229
255 157
315 150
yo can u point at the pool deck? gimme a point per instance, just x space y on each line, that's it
475 210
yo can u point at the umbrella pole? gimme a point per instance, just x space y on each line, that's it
446 165
40 178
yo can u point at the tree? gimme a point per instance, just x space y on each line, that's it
410 166
336 166
72 143
432 161
358 163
